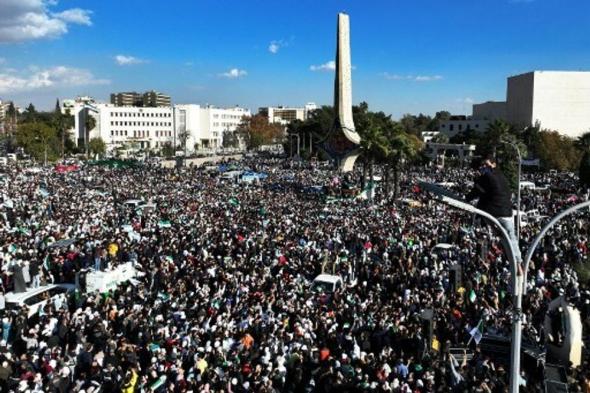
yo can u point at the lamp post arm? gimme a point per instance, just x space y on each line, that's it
439 192
540 235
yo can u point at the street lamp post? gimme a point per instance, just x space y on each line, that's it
515 147
519 282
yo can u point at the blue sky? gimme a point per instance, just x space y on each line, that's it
409 56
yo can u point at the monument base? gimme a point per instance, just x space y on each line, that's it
346 164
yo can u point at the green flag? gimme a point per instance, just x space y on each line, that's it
234 201
472 296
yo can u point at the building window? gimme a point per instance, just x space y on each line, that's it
477 126
451 127
112 132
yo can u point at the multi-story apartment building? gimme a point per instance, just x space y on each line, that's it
148 99
153 98
129 98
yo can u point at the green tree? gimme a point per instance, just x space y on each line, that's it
230 139
558 151
256 131
167 150
30 114
373 147
89 125
97 146
11 118
584 170
583 144
39 140
403 147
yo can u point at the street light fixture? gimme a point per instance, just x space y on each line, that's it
519 281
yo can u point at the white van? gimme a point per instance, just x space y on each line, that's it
36 298
107 280
326 283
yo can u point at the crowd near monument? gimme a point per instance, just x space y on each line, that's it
259 272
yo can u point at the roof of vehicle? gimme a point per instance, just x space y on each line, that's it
12 297
444 246
327 278
133 201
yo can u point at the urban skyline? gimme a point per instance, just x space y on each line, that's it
404 59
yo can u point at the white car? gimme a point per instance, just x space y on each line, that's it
326 283
36 298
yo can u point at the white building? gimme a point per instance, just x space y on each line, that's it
285 115
141 128
216 121
135 127
457 124
557 100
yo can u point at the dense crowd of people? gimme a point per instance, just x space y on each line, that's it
225 303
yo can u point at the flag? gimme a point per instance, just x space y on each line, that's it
472 296
477 332
46 263
164 224
234 201
44 193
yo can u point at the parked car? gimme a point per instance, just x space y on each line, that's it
36 298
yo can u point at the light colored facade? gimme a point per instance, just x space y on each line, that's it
188 120
216 121
142 128
135 127
557 100
457 124
285 115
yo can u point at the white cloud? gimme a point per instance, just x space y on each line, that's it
329 66
75 15
428 78
413 78
128 60
35 78
24 20
233 73
466 100
275 45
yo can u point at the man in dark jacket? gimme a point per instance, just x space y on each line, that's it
493 191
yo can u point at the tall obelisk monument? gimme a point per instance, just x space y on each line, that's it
342 143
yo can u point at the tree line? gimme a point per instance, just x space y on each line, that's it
45 135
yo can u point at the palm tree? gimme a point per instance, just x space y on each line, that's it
402 147
373 146
583 142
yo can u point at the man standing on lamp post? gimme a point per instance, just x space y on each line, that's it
493 191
